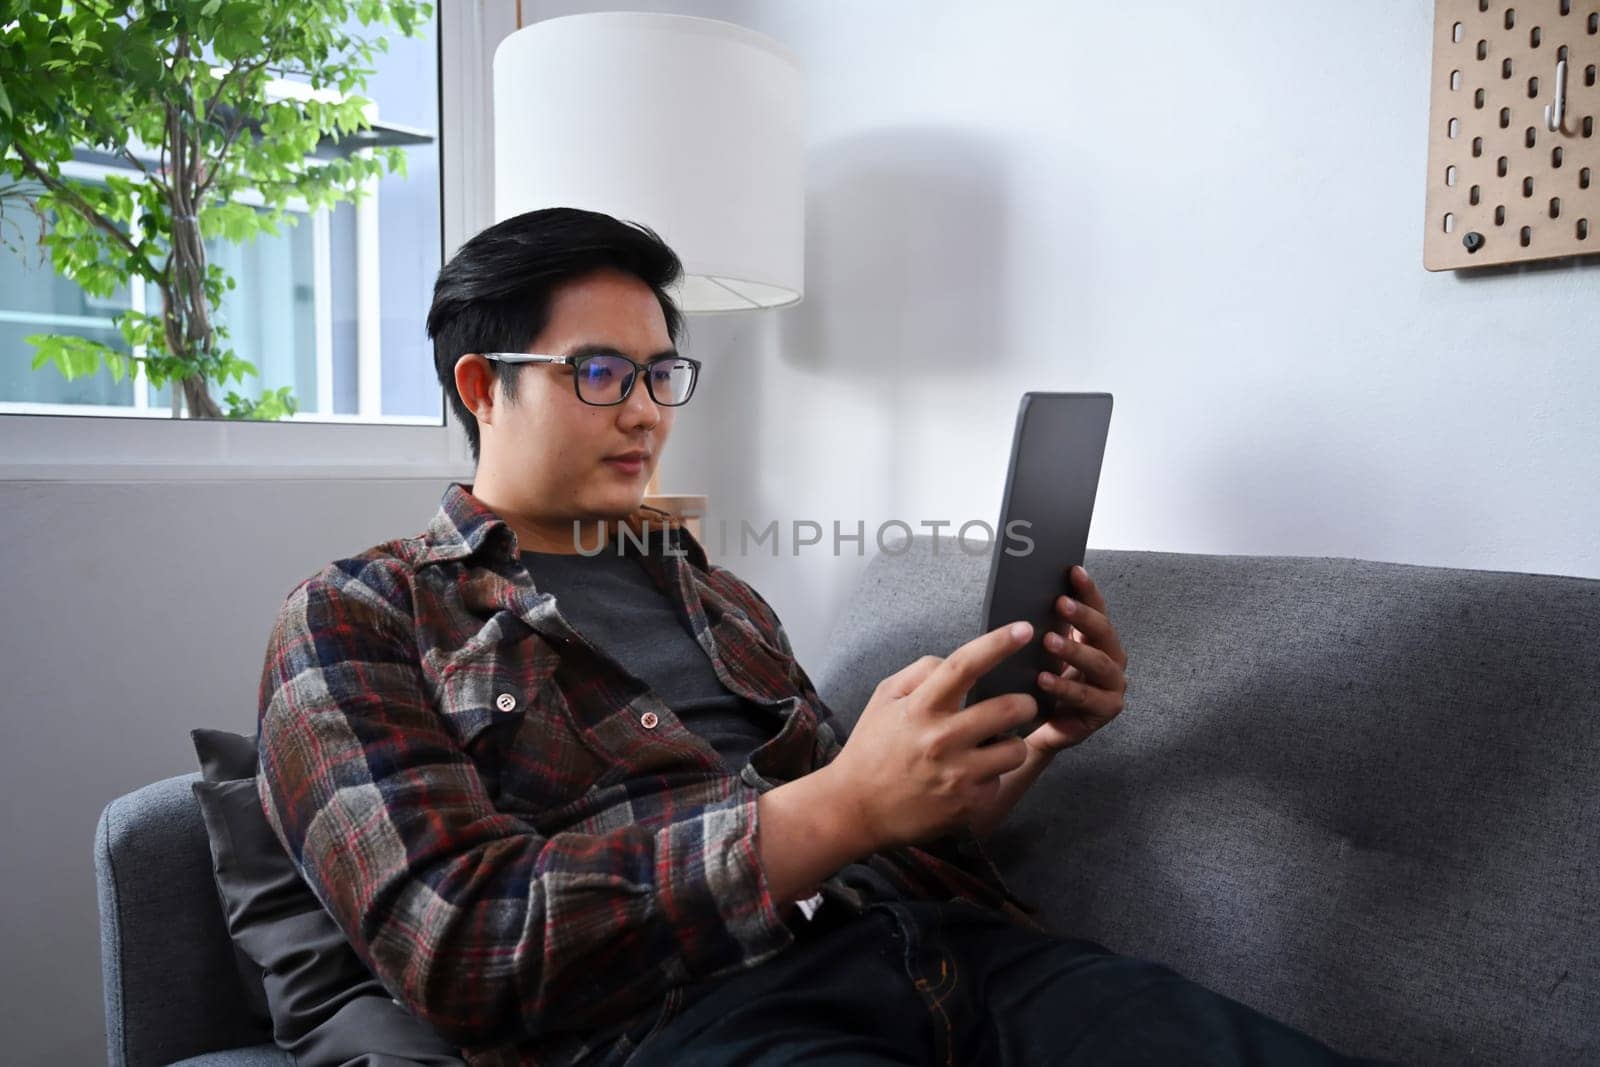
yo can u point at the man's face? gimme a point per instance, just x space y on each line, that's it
545 453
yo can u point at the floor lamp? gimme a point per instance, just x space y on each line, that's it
691 126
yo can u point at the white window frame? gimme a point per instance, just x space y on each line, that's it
131 447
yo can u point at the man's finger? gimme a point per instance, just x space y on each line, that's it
1085 703
1082 586
1057 662
1090 618
1092 665
1060 669
949 681
991 761
908 677
988 718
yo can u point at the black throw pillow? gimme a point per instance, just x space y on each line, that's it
325 1006
224 756
227 757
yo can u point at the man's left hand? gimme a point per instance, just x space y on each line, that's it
1087 674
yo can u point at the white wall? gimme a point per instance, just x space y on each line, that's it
1213 212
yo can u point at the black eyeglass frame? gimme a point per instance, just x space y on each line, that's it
577 362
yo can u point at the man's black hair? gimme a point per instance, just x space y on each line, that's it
494 294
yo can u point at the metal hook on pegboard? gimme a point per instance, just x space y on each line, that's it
1556 116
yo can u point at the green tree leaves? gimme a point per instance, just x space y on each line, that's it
182 92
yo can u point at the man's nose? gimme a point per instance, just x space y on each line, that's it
639 405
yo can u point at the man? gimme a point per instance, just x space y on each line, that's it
564 786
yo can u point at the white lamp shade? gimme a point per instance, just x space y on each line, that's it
691 126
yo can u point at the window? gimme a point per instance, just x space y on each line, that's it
332 306
283 291
35 299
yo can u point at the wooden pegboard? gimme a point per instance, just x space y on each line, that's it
1495 169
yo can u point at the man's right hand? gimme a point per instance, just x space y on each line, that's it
915 766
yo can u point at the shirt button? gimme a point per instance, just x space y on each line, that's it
648 720
505 701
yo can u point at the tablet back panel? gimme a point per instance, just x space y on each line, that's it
1056 452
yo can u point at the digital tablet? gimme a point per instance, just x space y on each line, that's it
1056 452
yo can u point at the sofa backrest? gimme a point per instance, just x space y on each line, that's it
172 986
1358 796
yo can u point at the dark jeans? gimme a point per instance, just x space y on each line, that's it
949 983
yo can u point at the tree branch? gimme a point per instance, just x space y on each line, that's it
84 208
222 84
215 167
237 125
149 175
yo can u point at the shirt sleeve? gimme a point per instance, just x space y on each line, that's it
485 928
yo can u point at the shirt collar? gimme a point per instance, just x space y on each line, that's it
465 527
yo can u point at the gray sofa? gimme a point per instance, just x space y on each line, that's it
1361 797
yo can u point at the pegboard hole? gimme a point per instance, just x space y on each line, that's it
1483 49
1477 99
1454 128
1555 207
1483 5
1477 147
1472 197
1561 53
1456 32
1583 178
1500 166
1566 7
1533 87
1449 222
1588 74
1505 118
1588 125
1534 37
1556 157
1594 22
1527 187
1505 67
1450 175
1455 80
1500 215
1527 236
1582 229
1529 137
1511 18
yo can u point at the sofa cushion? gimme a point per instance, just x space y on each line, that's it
1358 796
243 1056
325 1005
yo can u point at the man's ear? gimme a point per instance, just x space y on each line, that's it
475 381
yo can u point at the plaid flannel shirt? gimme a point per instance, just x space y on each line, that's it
518 838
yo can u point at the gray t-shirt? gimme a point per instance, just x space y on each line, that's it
612 602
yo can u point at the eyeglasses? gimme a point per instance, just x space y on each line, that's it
606 378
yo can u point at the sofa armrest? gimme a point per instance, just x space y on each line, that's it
172 988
